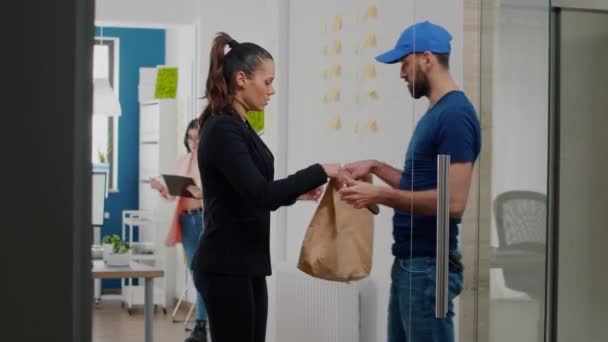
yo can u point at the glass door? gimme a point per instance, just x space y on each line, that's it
513 170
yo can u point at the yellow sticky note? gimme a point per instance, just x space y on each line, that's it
372 126
337 26
335 71
334 95
256 120
371 13
335 123
166 83
337 47
370 42
370 71
372 94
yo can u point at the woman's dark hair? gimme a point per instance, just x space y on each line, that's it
245 57
192 125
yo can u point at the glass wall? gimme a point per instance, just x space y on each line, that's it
514 168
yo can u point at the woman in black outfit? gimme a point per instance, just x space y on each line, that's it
233 258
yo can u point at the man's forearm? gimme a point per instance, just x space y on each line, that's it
418 202
387 173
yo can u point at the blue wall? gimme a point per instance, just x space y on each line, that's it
137 48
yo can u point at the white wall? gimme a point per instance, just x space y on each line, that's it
146 12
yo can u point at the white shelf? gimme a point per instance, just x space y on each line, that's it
137 221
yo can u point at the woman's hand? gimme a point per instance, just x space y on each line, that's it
195 191
158 186
360 168
312 195
332 170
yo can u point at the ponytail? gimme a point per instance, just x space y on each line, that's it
218 95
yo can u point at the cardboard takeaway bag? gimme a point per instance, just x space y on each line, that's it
338 244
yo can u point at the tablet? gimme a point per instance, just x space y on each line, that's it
178 185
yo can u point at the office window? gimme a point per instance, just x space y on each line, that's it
105 129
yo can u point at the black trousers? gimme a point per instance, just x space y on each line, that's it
237 306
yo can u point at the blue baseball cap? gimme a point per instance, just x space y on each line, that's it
418 38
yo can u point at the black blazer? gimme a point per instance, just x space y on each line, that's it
237 175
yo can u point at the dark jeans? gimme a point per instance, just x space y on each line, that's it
237 306
411 315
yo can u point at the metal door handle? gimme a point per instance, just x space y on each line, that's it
443 236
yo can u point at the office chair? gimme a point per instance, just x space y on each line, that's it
521 222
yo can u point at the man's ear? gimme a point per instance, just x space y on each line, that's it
426 61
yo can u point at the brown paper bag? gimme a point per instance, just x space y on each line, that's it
339 241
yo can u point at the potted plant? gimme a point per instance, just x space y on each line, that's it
119 254
107 244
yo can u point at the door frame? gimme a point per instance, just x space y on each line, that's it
585 5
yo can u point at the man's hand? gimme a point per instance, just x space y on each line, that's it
360 194
312 195
360 168
342 179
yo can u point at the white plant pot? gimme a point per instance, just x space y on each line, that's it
107 249
118 259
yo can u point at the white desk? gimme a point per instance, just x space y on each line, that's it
135 270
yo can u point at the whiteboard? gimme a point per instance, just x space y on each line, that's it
98 193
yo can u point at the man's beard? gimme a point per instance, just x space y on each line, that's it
420 86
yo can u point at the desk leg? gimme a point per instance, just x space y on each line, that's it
97 290
148 304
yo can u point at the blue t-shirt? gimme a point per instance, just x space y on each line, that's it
450 127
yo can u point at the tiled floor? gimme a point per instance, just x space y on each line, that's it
111 323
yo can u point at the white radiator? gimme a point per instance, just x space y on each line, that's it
308 309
